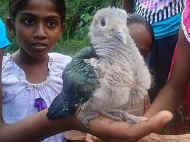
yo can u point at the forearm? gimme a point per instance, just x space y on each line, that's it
110 130
168 99
36 127
173 92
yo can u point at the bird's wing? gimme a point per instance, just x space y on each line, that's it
79 76
79 82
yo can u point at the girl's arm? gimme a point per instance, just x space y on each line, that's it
38 127
171 95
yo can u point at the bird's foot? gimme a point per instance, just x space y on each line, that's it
85 118
133 119
120 115
113 114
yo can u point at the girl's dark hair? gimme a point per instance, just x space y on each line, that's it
17 5
137 19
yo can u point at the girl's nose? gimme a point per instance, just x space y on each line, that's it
40 31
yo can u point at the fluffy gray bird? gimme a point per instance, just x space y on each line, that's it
112 70
121 71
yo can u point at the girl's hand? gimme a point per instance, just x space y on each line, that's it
110 130
74 135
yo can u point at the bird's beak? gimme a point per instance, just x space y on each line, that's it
121 36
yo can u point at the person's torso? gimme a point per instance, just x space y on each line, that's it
22 98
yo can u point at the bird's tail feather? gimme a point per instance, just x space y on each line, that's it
59 108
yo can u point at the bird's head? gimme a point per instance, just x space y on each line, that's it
109 24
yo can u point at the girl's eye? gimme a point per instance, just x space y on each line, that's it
52 24
28 21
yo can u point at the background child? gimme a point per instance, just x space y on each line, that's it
141 31
32 78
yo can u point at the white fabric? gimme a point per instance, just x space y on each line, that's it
19 94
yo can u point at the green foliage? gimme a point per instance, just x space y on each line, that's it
3 8
78 17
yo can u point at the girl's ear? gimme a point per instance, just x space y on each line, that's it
10 25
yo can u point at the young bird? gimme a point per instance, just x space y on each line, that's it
111 71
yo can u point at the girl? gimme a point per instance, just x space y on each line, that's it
31 77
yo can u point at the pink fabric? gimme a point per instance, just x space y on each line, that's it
186 28
186 20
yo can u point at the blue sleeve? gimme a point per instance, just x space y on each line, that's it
4 41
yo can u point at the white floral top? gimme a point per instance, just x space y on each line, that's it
19 95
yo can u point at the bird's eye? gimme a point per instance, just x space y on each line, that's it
103 22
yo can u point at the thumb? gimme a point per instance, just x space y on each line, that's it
153 124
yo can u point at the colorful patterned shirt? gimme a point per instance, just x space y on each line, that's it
163 15
158 10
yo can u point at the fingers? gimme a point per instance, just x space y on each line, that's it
91 138
106 128
74 135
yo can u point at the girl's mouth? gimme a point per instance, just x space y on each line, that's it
39 46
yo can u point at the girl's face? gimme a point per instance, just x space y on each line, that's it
38 27
142 37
